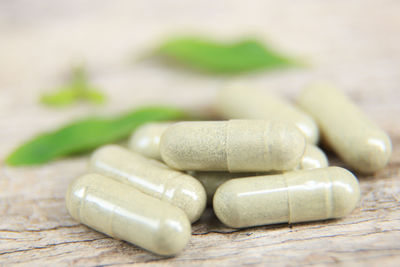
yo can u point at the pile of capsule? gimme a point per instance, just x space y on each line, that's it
260 167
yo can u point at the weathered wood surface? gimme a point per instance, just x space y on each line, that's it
355 44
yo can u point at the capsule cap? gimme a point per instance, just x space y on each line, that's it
146 140
345 192
172 238
75 194
187 193
313 158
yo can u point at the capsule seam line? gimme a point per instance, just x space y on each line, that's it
82 202
166 187
288 198
112 221
265 157
226 146
329 211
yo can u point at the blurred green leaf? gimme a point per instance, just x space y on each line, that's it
76 89
228 58
95 96
63 97
87 134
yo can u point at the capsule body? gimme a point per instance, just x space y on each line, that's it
146 139
297 196
313 158
151 177
355 138
125 213
234 146
241 101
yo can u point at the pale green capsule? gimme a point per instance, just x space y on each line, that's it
125 213
146 139
151 177
212 180
242 101
292 197
354 137
234 146
313 158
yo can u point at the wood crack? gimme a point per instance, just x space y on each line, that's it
41 230
51 245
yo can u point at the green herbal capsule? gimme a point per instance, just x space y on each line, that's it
151 177
313 158
146 139
241 101
292 197
354 137
125 213
234 146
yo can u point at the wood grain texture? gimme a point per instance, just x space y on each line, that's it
355 44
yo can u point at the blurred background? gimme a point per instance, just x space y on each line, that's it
355 44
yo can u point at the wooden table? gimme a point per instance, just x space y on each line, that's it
354 44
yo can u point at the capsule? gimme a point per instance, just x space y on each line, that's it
354 137
241 101
234 146
212 180
150 177
292 197
313 158
125 213
146 139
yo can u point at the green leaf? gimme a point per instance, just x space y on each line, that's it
95 96
76 89
85 135
206 55
63 97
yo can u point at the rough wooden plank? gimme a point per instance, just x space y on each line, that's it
35 228
357 48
